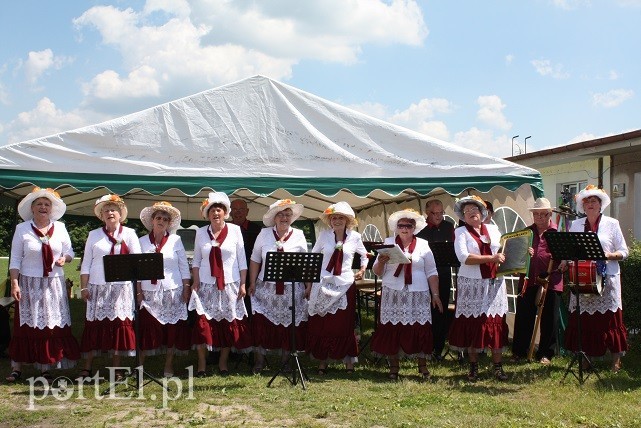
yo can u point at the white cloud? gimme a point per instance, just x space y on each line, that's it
483 141
44 119
491 112
508 59
612 98
570 4
613 75
38 63
210 42
629 3
545 68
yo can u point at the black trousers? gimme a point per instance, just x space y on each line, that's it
441 321
524 323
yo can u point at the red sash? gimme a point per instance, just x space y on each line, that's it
408 267
47 253
123 245
158 247
488 270
216 257
335 265
280 285
592 228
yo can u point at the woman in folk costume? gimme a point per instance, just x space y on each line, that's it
271 301
219 269
110 305
405 321
42 323
163 302
481 298
332 302
602 327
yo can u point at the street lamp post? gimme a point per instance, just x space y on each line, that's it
525 146
516 136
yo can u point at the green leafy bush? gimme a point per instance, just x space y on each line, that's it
630 289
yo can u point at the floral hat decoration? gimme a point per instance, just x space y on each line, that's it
591 190
473 199
147 213
282 205
410 213
110 199
215 198
341 208
58 207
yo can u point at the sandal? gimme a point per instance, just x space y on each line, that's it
423 371
14 376
473 374
499 374
393 373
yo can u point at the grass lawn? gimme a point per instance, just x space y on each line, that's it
533 396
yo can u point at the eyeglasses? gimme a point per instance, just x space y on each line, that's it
159 217
471 210
437 213
540 214
404 226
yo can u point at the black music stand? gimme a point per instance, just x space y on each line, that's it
292 267
576 246
445 256
134 268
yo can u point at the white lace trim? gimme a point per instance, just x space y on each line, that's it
111 300
405 307
276 307
44 302
609 300
166 306
476 297
218 304
327 297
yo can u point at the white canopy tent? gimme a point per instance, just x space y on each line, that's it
260 140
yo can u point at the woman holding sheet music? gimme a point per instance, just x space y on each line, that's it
332 302
405 322
602 327
481 298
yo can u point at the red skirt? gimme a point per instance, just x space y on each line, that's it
403 339
43 347
222 334
599 333
332 336
156 337
116 336
479 333
270 336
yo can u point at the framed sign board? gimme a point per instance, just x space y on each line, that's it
515 247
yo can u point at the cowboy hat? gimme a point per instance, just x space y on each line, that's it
341 208
114 200
58 207
591 190
473 199
216 198
541 204
281 205
146 215
410 213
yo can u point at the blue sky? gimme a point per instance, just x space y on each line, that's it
471 73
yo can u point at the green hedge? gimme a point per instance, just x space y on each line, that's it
630 289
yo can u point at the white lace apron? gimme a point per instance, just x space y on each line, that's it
218 304
610 300
476 297
111 300
276 307
44 302
327 297
405 307
166 306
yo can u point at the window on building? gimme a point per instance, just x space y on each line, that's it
565 193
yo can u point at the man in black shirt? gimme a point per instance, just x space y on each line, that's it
438 230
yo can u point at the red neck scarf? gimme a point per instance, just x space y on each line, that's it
335 265
488 270
158 247
280 285
408 267
216 256
47 253
123 245
592 228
